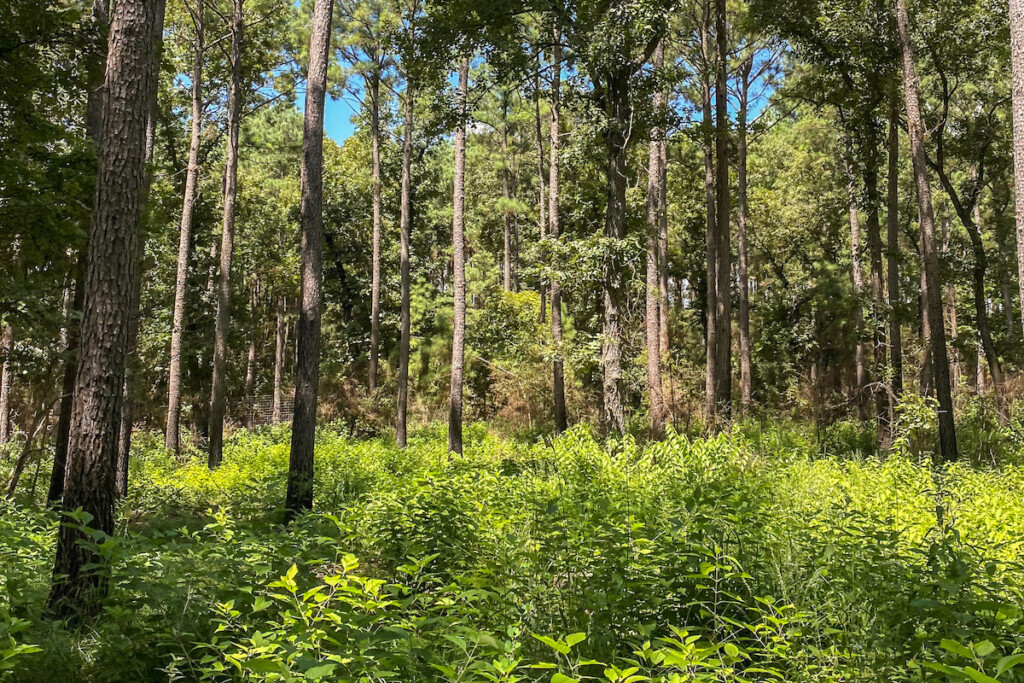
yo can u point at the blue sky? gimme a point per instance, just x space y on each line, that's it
338 119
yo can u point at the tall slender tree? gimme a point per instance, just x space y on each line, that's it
227 238
80 575
299 496
172 434
746 68
929 251
723 270
892 223
1017 66
652 318
557 363
458 266
6 345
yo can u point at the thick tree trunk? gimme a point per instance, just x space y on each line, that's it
652 319
860 367
557 363
375 277
892 224
6 344
930 255
227 238
1017 60
723 362
401 426
299 496
741 199
459 268
615 140
172 434
80 575
710 207
280 345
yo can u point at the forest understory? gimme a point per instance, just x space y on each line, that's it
772 551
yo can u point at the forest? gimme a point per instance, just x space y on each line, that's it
512 341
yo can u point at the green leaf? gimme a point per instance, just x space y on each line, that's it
984 648
1008 662
322 671
574 638
553 644
979 676
562 678
956 648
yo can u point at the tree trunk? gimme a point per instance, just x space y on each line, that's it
124 441
949 314
892 223
6 345
506 194
557 363
723 362
227 237
172 435
618 113
459 268
927 387
250 361
375 278
860 368
877 292
741 198
80 575
652 294
401 426
280 345
1017 60
930 255
711 305
299 496
542 206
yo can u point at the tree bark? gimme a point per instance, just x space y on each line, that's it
710 207
893 253
401 426
81 575
652 295
227 237
873 200
1017 61
741 200
458 267
930 256
375 277
6 344
860 367
557 362
950 309
250 361
172 434
723 363
280 344
299 496
506 194
542 194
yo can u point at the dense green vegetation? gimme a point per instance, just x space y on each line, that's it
769 552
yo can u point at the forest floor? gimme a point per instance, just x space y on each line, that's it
765 553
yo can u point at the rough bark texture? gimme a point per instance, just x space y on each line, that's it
930 256
892 224
723 302
6 344
542 194
172 434
250 360
1017 60
227 238
557 363
80 575
280 342
877 283
458 268
652 320
401 426
741 236
299 496
618 112
949 313
375 276
506 195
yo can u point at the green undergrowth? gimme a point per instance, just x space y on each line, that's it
750 556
